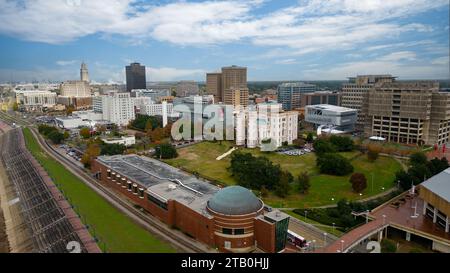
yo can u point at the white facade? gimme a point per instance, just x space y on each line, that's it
124 140
36 98
71 122
336 117
84 74
266 121
116 108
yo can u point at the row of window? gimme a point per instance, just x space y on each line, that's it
233 231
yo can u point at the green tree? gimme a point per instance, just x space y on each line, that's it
56 137
334 164
303 182
342 143
359 182
309 137
283 186
322 145
112 149
166 151
66 135
418 159
85 132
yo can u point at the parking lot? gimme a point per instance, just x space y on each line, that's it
295 152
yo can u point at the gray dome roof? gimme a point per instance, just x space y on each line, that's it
235 200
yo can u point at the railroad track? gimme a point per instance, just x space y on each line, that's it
146 221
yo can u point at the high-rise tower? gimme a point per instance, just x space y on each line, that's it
84 74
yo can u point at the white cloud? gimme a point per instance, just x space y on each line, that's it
389 64
172 74
309 26
66 63
287 61
441 61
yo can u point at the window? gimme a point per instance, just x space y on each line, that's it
238 231
157 202
227 231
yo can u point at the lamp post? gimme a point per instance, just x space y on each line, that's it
333 225
325 239
342 246
306 213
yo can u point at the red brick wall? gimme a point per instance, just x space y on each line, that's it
265 235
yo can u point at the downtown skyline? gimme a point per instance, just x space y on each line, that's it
177 40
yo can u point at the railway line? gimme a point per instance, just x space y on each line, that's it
50 227
176 238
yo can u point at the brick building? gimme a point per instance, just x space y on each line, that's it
232 219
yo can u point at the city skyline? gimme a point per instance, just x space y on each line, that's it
181 40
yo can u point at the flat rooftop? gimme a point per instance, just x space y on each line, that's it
162 180
330 107
439 184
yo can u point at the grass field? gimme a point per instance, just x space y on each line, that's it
201 158
117 231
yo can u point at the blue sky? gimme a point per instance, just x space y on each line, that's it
276 40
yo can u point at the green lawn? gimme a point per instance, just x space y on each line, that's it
201 158
328 229
117 231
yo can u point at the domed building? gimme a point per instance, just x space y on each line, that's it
231 219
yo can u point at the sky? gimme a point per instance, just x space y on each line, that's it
46 40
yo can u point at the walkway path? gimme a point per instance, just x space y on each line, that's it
220 157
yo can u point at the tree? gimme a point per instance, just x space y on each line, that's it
303 182
85 132
66 135
166 151
373 152
156 135
299 143
334 164
342 143
283 186
404 179
69 110
418 159
322 145
264 191
56 137
15 106
141 122
112 149
92 151
309 137
359 182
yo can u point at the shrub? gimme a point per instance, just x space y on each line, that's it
359 182
334 164
373 152
388 246
56 137
303 182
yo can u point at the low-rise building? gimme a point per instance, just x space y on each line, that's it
124 140
330 117
232 219
33 100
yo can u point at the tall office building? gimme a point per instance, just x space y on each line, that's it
230 86
353 92
289 94
135 76
84 74
116 107
187 88
214 86
408 112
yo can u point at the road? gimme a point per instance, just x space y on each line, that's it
310 233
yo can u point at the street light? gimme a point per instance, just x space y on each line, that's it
325 239
306 212
333 225
342 245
